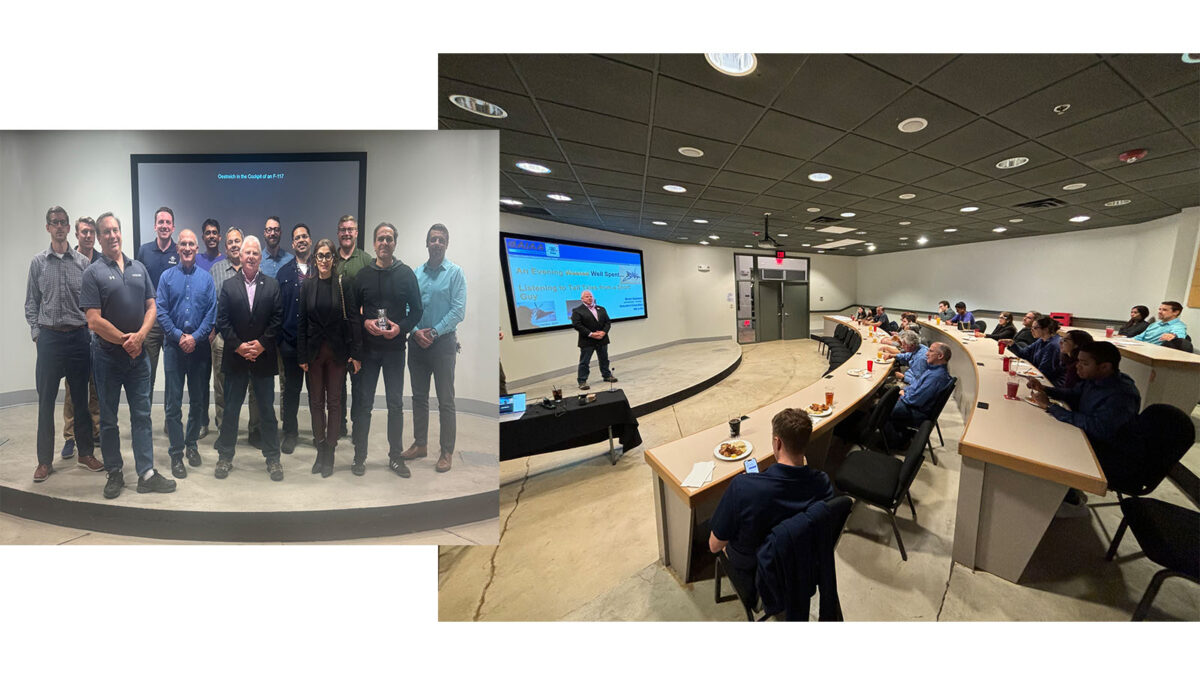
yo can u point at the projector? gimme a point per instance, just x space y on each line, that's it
766 244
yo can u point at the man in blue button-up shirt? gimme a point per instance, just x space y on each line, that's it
187 308
1167 328
434 344
917 400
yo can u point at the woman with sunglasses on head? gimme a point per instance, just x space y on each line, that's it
1004 330
329 341
1137 321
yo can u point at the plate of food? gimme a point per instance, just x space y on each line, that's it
819 410
733 449
854 372
883 360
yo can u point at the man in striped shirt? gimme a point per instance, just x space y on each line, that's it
60 331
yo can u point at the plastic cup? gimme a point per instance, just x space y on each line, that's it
939 321
870 365
1007 364
556 392
1002 346
735 426
1013 384
1108 331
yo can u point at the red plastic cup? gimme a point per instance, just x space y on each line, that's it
1002 346
1012 388
1108 331
929 317
1007 359
870 366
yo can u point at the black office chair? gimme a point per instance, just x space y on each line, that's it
866 429
939 404
1183 344
883 481
1148 447
981 326
827 341
1168 534
743 587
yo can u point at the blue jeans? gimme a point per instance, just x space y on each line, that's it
438 361
392 365
195 368
585 357
62 355
114 369
235 393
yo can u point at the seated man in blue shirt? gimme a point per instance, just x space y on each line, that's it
916 401
962 315
911 353
1102 403
755 503
1167 328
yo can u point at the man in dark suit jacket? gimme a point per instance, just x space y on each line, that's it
592 323
249 315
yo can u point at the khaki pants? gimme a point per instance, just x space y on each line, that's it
69 410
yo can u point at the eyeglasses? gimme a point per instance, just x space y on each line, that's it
324 256
60 221
384 239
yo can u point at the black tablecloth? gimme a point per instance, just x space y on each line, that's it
570 425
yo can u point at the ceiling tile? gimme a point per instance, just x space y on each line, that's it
1181 106
684 171
954 179
588 82
595 129
977 139
685 108
1157 145
910 67
793 191
869 186
1133 121
665 143
760 163
741 181
1063 169
1154 74
943 117
850 91
610 178
858 153
522 116
910 168
1038 155
582 154
790 135
1090 93
724 195
1157 166
772 72
985 82
488 70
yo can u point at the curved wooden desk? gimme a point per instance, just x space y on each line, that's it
679 510
1017 464
1162 374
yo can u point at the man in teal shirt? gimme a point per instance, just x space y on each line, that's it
433 346
1167 328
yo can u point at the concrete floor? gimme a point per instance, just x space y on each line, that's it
578 538
249 488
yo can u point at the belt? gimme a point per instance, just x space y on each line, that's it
62 329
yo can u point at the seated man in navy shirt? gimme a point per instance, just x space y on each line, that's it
755 503
916 400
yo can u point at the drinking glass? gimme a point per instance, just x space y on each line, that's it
829 395
1108 331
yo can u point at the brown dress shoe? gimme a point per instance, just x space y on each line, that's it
42 472
415 451
90 463
443 463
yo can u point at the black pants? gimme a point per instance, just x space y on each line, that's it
391 364
585 357
63 354
293 381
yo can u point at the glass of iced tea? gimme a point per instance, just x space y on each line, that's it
829 395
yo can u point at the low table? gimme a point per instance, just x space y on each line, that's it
570 425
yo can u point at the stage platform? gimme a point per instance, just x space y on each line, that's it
654 379
248 506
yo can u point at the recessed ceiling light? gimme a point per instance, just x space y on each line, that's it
688 151
682 238
737 65
782 234
658 222
907 195
912 125
861 232
713 236
871 247
813 209
806 245
819 177
1012 162
478 106
969 209
674 188
700 221
1117 202
903 238
532 168
848 214
922 240
820 250
809 227
704 243
999 229
511 202
1074 186
904 243
1080 219
950 229
828 240
559 198
1016 220
747 246
906 222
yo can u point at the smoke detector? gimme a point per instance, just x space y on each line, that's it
1131 156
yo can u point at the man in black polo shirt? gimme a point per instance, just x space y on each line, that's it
755 503
157 256
119 300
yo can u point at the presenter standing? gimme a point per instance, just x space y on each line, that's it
591 321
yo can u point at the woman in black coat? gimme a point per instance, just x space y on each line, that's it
1005 330
329 340
1137 321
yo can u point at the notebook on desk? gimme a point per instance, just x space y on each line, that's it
512 407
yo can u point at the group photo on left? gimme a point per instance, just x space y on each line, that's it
249 337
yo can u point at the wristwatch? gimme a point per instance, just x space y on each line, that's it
433 334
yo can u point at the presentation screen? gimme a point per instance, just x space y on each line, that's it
244 190
545 277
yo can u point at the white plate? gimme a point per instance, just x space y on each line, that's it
749 449
855 372
827 413
884 362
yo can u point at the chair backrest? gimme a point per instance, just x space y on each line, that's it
873 429
839 512
854 342
943 396
1161 435
839 333
913 457
981 326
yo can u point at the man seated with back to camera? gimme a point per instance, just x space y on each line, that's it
756 503
1103 403
917 399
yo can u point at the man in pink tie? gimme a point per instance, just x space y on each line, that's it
591 321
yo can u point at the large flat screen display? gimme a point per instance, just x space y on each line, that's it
244 190
545 277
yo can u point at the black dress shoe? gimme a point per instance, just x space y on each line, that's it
224 466
320 458
177 468
112 488
156 483
289 443
203 433
193 456
400 468
359 467
275 469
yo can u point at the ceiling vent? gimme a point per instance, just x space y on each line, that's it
825 219
1048 203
